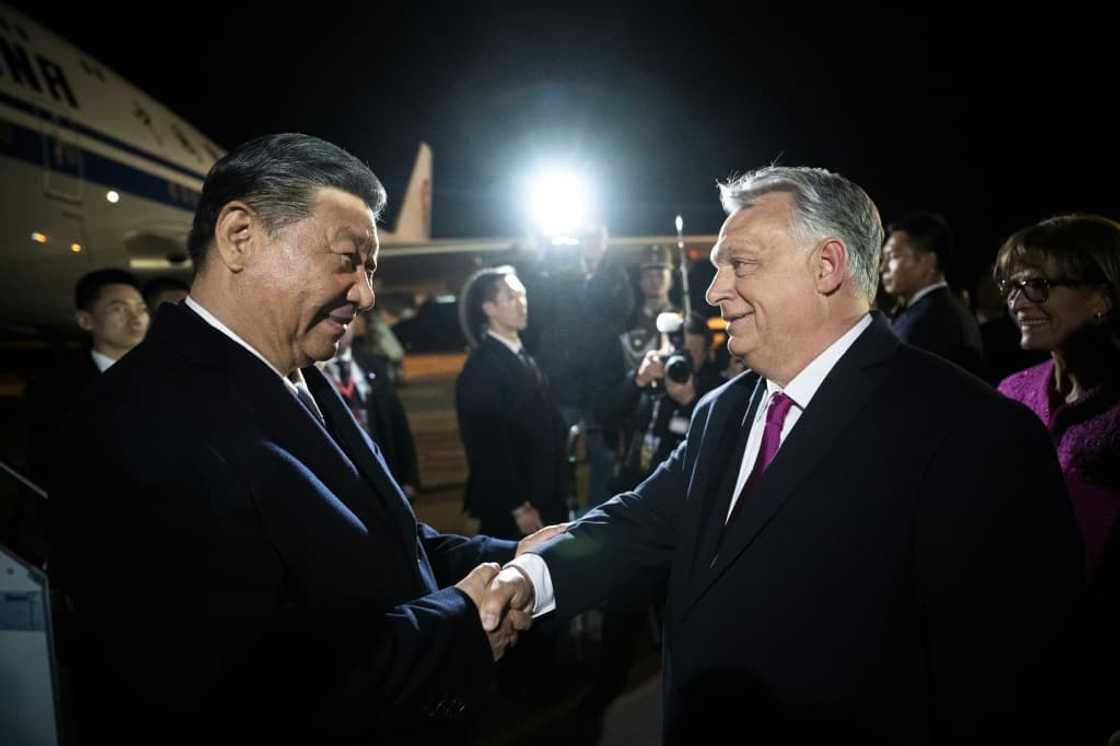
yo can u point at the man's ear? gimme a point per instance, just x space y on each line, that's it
830 265
85 320
236 235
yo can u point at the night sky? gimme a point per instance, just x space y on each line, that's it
993 121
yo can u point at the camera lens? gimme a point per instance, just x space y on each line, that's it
678 367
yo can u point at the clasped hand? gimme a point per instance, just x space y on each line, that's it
504 597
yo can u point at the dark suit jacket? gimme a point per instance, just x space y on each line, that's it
514 437
941 324
241 575
47 401
906 556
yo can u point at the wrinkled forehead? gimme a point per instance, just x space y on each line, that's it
754 226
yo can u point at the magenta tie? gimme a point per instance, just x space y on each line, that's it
768 449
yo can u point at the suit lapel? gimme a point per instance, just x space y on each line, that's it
279 414
361 450
842 396
715 455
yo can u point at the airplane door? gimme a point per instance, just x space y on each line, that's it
63 168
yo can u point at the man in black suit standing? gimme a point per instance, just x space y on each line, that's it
915 257
512 430
863 543
111 310
243 567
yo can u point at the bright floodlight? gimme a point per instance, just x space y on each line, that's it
679 223
558 202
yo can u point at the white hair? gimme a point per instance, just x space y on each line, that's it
826 204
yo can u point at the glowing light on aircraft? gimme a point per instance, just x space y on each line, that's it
38 237
113 197
558 201
76 247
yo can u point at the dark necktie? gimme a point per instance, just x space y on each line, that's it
531 364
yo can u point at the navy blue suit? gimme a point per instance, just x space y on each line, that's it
941 324
893 577
240 571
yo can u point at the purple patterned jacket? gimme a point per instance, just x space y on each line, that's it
1087 436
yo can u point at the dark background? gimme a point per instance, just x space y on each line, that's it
995 120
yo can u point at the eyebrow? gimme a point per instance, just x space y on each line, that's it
727 251
358 239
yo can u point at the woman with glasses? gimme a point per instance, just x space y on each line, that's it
1061 279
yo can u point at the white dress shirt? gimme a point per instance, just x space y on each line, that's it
514 345
103 362
801 390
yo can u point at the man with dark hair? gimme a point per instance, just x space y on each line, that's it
267 579
109 307
512 431
916 255
864 544
162 290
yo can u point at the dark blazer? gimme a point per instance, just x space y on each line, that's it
514 436
905 558
241 575
47 401
941 324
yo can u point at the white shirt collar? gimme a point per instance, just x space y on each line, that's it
926 291
103 362
805 384
296 379
514 345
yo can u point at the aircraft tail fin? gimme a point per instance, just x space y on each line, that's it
414 222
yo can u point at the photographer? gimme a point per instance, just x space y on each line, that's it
581 299
667 385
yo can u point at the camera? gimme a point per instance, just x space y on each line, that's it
678 363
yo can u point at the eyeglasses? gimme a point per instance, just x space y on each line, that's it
1036 289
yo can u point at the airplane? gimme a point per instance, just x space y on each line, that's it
96 173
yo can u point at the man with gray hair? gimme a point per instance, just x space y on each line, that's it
863 543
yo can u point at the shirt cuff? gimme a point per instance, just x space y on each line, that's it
544 598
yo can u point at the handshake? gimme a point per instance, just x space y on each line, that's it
504 598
